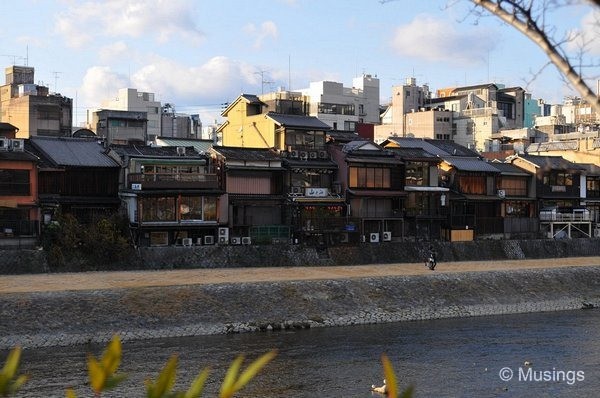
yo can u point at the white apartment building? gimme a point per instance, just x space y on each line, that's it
129 99
343 107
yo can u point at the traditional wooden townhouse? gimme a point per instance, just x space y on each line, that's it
426 204
19 207
518 207
77 176
172 195
592 194
373 181
254 186
560 192
474 206
314 205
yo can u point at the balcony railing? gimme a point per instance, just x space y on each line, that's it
173 181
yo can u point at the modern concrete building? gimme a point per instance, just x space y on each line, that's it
129 99
31 107
120 127
342 108
467 115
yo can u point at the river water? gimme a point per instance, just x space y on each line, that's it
441 358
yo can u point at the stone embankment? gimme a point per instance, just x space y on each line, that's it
35 319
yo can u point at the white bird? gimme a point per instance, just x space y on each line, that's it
381 390
528 363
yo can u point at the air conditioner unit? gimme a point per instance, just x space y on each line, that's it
236 240
322 154
198 241
501 193
313 155
181 151
17 145
374 237
303 155
597 233
224 233
387 236
294 154
187 241
209 240
4 143
297 190
363 238
344 238
246 240
223 240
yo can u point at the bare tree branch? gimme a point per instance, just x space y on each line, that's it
531 22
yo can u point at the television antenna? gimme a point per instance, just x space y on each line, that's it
55 73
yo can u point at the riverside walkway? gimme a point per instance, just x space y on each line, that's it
128 279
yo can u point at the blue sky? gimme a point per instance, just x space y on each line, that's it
199 54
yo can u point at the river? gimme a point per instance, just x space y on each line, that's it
441 358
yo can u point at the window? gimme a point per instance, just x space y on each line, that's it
593 187
558 179
514 186
14 182
417 173
369 177
336 109
305 139
158 209
472 184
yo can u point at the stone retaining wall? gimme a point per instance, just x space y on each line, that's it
76 317
34 261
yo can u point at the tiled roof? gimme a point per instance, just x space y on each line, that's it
255 154
591 169
18 155
199 145
413 153
470 164
340 136
551 162
418 143
62 151
509 169
298 121
156 151
452 148
553 146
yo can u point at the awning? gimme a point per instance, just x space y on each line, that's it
418 188
375 192
482 198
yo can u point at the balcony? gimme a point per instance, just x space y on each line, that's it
141 181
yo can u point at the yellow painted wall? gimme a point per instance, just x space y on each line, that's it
243 131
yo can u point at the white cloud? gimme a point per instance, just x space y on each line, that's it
114 51
101 83
267 29
438 40
159 19
588 32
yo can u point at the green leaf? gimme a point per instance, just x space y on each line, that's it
70 393
197 386
112 356
253 369
408 393
18 383
12 363
96 374
165 381
390 377
227 389
114 380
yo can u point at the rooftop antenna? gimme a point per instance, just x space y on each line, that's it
262 79
55 73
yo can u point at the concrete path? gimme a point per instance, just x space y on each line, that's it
125 279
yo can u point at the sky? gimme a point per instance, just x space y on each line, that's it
198 54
